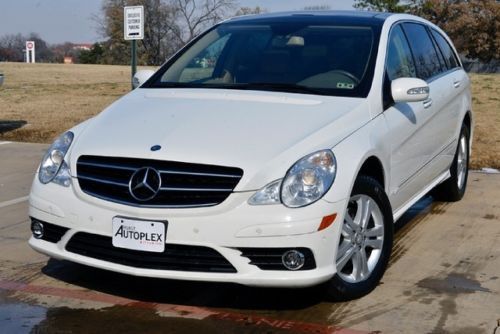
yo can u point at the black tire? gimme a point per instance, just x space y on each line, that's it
339 289
450 190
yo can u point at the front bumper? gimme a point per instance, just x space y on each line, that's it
224 228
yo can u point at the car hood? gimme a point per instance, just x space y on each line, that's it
263 133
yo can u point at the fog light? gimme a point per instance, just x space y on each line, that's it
293 260
37 229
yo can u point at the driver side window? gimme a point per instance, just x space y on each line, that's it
399 62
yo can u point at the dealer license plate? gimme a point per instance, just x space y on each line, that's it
147 236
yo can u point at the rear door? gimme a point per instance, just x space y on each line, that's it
430 65
456 81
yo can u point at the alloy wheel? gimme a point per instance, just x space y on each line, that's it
462 162
361 240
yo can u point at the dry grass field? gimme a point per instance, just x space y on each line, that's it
51 98
486 107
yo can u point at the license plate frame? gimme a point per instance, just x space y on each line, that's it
139 234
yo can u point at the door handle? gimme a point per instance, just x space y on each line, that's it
457 83
427 103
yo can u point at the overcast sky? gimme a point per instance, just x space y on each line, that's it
59 21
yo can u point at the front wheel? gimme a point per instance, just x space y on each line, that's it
365 242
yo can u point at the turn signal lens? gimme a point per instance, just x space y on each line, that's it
327 221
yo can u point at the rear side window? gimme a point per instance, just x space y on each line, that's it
426 57
448 53
399 62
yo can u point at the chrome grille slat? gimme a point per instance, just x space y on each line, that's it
195 189
198 174
103 181
184 185
106 166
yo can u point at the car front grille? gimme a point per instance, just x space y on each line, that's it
183 185
175 257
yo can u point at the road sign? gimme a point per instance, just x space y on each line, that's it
133 22
30 51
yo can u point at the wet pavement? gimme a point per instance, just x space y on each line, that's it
443 278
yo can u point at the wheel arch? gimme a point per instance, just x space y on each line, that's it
469 122
373 167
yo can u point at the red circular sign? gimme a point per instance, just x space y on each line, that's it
29 45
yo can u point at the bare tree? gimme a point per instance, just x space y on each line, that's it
12 48
250 11
393 6
169 24
160 25
196 15
159 40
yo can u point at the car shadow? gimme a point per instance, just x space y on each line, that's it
7 125
414 214
202 294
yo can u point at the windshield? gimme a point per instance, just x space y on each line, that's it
289 57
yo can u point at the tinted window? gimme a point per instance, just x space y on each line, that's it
440 56
425 54
297 57
399 59
446 50
202 66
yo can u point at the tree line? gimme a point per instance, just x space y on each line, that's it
473 25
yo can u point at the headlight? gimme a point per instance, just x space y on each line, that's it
270 194
53 167
309 179
305 183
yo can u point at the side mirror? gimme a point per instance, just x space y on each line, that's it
409 90
141 77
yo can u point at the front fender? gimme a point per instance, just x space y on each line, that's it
353 151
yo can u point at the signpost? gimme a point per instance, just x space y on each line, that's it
30 51
133 22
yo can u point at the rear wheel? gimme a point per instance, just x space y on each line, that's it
453 189
365 243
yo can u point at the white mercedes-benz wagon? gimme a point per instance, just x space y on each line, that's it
274 150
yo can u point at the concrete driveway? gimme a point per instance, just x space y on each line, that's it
443 278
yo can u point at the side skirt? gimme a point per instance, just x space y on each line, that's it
441 178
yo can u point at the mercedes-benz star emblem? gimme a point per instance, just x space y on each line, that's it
145 184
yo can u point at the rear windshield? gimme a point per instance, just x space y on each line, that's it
289 57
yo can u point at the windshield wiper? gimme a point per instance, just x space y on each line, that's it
266 86
281 87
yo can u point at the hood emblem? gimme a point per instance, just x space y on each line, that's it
155 148
145 184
